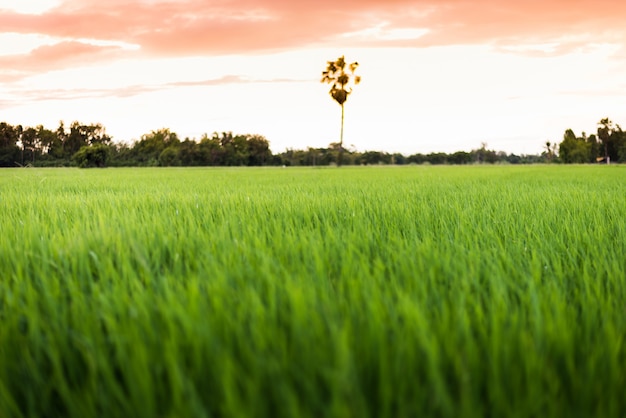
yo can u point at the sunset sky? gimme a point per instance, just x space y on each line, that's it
437 75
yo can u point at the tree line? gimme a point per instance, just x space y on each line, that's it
608 145
88 145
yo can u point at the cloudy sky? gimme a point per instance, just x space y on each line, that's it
437 75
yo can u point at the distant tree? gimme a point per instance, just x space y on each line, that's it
621 150
550 152
92 156
258 150
239 151
398 159
121 155
78 136
56 143
9 151
416 159
514 159
45 138
169 157
147 150
612 137
460 157
373 157
437 158
313 155
605 131
75 139
573 150
341 77
335 148
190 154
211 150
233 149
30 146
484 155
595 147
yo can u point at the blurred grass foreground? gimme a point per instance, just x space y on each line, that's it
355 292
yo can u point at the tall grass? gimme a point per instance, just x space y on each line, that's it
359 292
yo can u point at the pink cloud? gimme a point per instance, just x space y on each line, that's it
51 57
528 21
197 27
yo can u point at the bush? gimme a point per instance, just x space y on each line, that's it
169 157
92 156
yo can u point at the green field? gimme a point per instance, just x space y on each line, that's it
481 291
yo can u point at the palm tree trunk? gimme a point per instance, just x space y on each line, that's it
339 160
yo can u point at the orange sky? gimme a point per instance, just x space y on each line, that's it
440 75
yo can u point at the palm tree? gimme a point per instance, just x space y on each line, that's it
341 77
549 152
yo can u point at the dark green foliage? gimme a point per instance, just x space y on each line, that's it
460 157
92 156
608 146
42 147
80 136
258 150
437 158
9 156
148 149
575 150
612 138
375 157
169 157
621 150
9 151
190 154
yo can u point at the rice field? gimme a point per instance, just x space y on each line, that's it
480 291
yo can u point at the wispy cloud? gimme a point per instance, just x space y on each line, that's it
29 94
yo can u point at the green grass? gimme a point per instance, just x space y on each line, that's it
354 292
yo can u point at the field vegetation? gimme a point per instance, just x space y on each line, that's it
356 292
